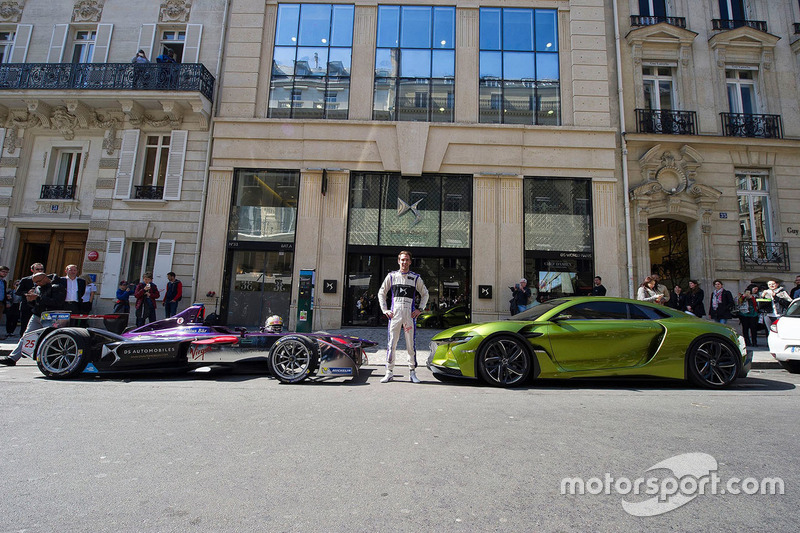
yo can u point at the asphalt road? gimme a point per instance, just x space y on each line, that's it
241 452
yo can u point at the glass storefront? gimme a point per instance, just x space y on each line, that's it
261 235
559 258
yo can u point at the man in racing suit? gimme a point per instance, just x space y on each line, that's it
404 286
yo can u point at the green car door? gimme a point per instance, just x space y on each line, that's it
603 335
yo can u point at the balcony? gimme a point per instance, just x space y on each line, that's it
108 76
57 192
640 20
667 122
732 24
759 126
772 256
148 192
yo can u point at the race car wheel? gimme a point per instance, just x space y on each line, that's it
64 353
713 363
293 358
504 361
793 367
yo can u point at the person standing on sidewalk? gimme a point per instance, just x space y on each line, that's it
748 315
403 285
4 288
172 295
25 285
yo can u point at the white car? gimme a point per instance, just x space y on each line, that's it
784 338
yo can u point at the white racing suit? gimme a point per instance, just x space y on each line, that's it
403 288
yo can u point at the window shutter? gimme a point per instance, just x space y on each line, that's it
191 50
175 161
147 35
57 43
2 140
102 43
21 41
111 267
163 263
127 163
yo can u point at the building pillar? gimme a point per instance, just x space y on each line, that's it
213 246
466 87
362 70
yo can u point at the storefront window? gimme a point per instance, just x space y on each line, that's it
264 206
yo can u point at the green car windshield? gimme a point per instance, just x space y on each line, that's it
538 310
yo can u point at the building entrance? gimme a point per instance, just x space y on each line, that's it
54 249
259 286
669 251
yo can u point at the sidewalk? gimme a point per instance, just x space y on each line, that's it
376 355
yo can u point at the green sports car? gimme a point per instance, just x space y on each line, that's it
592 337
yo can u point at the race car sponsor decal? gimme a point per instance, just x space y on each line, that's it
139 352
198 353
180 320
336 370
90 369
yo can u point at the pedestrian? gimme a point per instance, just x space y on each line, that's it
146 298
13 301
124 292
780 301
48 295
164 57
677 299
647 291
795 293
748 315
172 295
4 270
404 286
598 289
88 295
522 295
140 57
695 299
661 288
76 288
25 285
721 303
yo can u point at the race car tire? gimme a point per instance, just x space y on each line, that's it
713 363
63 353
293 358
504 361
793 367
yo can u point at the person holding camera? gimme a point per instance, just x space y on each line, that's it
146 295
521 295
748 315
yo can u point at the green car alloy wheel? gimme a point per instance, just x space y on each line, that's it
586 337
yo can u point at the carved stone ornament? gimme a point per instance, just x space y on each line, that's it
87 11
11 11
175 11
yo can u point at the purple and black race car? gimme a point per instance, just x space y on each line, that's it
70 346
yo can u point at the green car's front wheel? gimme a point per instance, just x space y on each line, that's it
712 363
504 361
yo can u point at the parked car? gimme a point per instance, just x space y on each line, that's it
70 346
784 338
585 337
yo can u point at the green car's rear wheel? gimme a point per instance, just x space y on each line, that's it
504 361
713 363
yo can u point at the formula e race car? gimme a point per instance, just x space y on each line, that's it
69 345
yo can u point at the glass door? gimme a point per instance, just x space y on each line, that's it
260 286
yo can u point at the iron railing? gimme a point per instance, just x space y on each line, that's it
115 76
643 20
764 256
670 122
744 125
57 192
148 192
732 24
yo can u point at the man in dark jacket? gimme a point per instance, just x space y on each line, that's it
48 295
25 285
719 308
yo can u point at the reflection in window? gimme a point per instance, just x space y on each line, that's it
415 64
519 68
6 45
754 211
311 61
264 206
558 214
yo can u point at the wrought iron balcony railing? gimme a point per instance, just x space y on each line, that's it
102 76
669 122
642 20
148 192
764 256
57 192
743 125
732 24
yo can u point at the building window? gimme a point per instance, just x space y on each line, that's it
174 40
312 55
264 206
6 45
69 166
83 46
658 88
653 8
754 212
142 259
742 94
156 155
519 64
415 64
732 10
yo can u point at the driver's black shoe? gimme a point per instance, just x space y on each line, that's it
6 360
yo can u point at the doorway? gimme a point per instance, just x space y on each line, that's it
259 286
669 251
55 249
